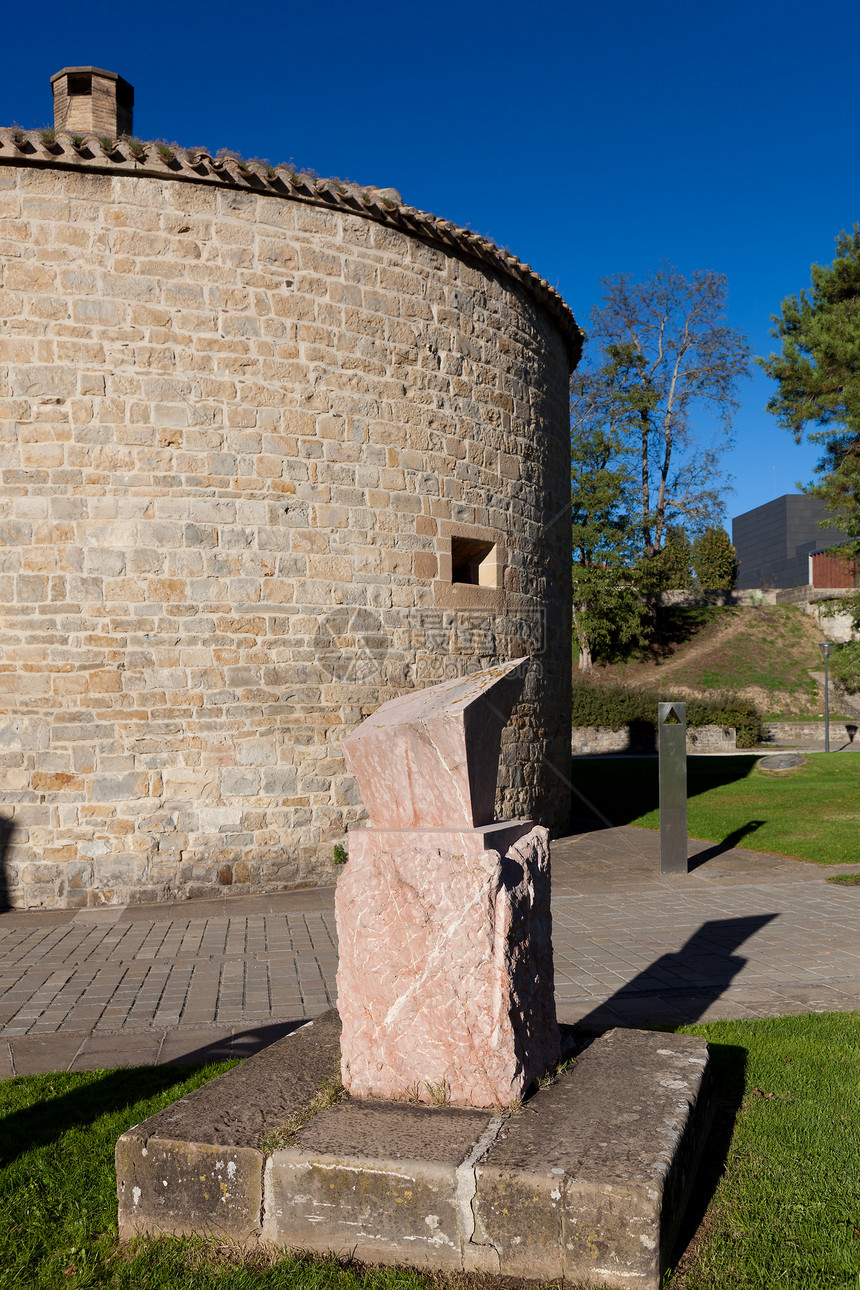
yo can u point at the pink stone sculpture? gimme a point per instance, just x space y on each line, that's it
445 976
430 759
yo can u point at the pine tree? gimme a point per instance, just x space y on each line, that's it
818 379
675 560
715 560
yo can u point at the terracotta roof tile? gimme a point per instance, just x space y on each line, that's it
28 147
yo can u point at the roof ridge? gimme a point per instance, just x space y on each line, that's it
156 159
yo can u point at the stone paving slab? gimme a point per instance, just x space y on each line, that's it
744 934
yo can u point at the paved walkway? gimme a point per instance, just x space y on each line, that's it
743 934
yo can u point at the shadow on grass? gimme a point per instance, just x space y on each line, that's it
44 1121
671 626
729 842
728 1079
614 791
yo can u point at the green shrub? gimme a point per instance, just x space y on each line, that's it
845 666
619 705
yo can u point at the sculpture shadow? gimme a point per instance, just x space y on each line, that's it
50 1116
709 962
242 1043
683 984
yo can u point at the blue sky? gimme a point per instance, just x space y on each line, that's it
590 140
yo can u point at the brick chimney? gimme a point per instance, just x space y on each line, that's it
89 100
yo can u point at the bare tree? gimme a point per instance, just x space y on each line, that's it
662 349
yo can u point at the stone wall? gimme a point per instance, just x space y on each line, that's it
591 741
240 438
842 732
683 596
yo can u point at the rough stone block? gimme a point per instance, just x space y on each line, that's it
429 759
445 980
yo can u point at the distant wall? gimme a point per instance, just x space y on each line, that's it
685 597
594 740
841 732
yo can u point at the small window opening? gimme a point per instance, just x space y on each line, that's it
80 84
473 562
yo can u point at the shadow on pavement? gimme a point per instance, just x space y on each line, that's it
709 957
243 1043
729 842
689 980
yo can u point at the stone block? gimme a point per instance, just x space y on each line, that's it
429 759
445 980
197 1166
588 1182
182 1188
322 1190
600 1200
119 788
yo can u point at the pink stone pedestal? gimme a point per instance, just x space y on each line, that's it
445 979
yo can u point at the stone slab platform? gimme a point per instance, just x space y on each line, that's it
587 1179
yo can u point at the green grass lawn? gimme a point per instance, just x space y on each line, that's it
785 1213
809 813
58 1196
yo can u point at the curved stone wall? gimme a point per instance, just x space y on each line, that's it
249 446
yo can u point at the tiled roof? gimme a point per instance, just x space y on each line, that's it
154 160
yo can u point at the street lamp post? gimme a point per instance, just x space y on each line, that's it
826 648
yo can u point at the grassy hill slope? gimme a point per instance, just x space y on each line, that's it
766 654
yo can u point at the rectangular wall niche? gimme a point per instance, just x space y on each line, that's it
474 562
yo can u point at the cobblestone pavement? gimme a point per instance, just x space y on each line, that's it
744 934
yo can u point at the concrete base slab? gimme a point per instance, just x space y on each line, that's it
54 1053
587 1180
104 1052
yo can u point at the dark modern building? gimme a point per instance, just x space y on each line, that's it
774 542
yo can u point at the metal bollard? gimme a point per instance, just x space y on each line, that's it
672 734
